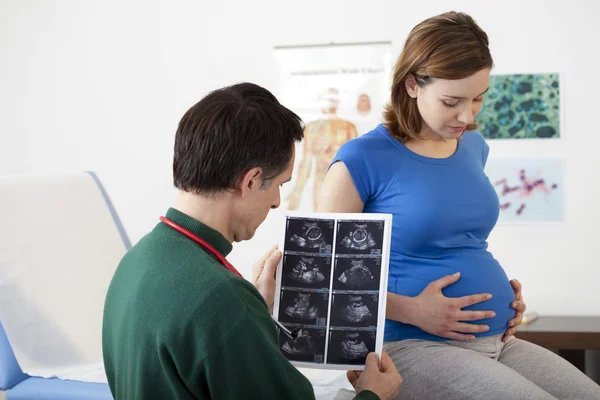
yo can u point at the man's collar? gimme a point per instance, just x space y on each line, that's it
208 234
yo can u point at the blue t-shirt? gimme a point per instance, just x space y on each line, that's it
443 211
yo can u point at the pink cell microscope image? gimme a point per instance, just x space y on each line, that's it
525 188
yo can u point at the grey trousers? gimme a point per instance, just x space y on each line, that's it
487 369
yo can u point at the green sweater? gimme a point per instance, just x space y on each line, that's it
178 325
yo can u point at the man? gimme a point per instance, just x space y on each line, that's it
322 140
178 324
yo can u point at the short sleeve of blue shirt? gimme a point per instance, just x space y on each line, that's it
365 158
349 154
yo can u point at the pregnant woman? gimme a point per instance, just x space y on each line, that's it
451 309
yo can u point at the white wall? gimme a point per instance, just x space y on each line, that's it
101 86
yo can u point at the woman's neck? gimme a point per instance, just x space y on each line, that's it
430 144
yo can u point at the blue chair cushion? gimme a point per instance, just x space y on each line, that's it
58 389
10 372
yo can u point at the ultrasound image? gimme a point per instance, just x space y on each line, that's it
354 310
360 237
309 346
357 273
303 307
309 235
306 271
350 347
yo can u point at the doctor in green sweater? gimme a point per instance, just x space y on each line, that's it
177 323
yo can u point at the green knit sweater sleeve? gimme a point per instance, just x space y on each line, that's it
249 365
366 395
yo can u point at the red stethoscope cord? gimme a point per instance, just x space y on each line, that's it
202 243
292 334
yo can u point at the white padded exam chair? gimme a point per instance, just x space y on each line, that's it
60 243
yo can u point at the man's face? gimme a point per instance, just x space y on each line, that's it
253 210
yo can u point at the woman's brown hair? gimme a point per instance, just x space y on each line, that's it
447 46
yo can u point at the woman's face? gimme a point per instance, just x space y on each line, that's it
448 106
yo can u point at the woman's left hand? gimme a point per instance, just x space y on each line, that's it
519 306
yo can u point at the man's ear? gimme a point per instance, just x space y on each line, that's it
411 86
250 180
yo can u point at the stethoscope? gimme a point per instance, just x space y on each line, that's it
291 334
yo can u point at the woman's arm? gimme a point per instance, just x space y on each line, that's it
431 310
338 193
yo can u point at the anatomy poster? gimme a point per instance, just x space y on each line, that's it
525 106
339 91
332 288
530 190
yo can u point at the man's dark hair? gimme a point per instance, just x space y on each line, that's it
230 131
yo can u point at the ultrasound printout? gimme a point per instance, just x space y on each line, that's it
332 288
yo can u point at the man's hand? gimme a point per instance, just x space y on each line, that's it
443 316
264 272
520 308
385 383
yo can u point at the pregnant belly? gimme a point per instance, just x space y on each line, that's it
480 273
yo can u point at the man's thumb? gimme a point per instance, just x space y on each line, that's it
372 360
275 256
272 262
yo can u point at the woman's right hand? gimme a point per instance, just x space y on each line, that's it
440 315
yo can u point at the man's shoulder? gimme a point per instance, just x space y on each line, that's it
183 279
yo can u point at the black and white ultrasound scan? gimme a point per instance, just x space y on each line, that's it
359 237
303 307
309 235
350 346
354 310
306 271
331 287
308 346
357 273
